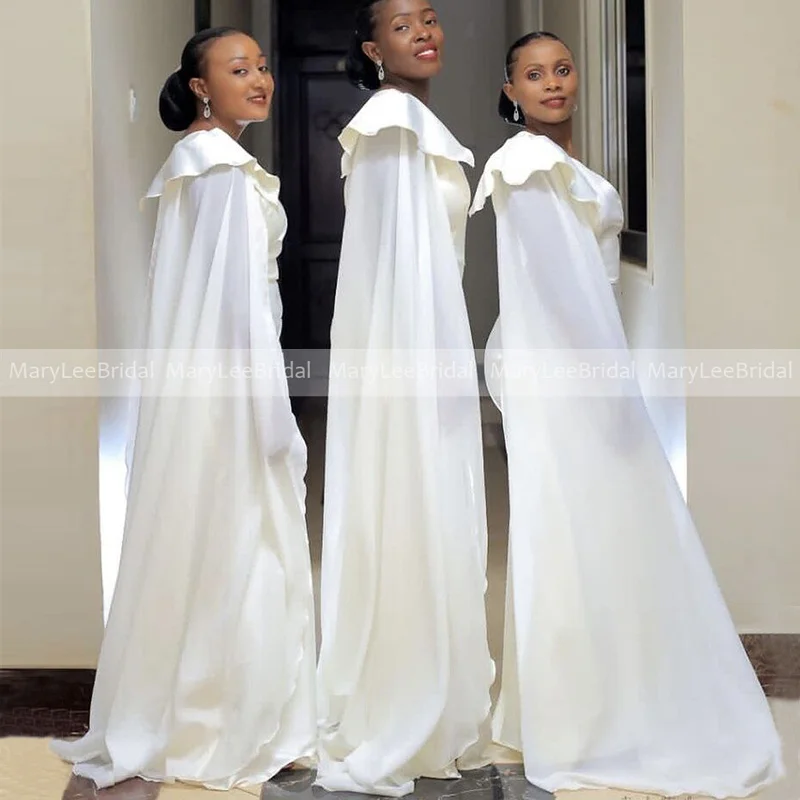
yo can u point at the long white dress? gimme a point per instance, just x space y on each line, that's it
207 668
622 667
404 671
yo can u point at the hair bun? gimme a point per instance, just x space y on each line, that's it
177 105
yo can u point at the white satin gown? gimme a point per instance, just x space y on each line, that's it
622 667
207 668
404 671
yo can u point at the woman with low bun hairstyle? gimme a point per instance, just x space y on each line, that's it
206 93
206 673
622 668
404 670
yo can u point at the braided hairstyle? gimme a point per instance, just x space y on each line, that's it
177 104
505 107
361 70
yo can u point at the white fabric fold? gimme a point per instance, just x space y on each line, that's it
404 670
391 108
622 667
200 152
206 673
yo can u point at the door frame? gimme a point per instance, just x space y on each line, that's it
202 15
275 65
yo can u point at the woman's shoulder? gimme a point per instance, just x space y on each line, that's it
390 109
516 161
200 152
527 154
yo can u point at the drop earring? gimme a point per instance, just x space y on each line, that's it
207 109
381 73
516 111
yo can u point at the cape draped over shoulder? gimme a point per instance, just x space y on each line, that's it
622 667
404 670
206 673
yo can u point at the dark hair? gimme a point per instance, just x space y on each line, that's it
361 70
505 107
177 104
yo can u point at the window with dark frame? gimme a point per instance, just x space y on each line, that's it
634 237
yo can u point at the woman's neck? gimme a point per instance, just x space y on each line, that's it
561 133
420 89
233 129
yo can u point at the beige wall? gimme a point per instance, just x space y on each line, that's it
75 258
723 274
50 596
742 208
135 46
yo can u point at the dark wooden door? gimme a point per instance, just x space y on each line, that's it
315 101
202 15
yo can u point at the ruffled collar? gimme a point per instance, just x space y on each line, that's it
523 155
201 151
391 108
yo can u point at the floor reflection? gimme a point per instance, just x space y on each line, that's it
497 782
84 789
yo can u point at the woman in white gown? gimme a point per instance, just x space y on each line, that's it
622 667
207 669
404 672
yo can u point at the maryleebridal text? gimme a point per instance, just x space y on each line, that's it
685 373
152 370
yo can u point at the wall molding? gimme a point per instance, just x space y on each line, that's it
55 702
45 702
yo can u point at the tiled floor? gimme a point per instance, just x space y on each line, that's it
28 771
